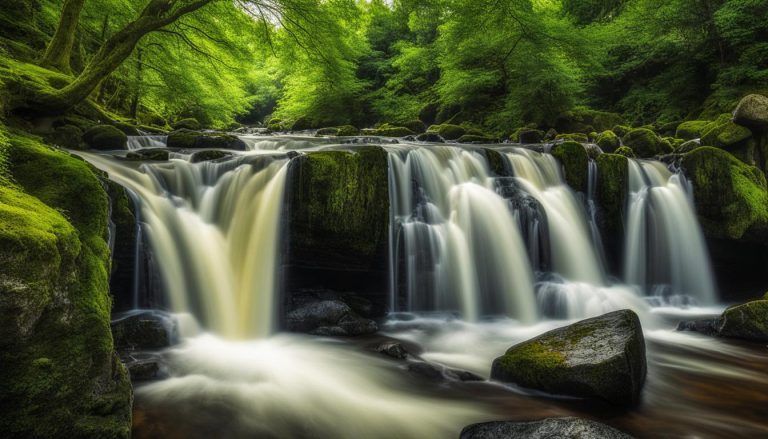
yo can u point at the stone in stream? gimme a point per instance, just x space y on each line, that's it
144 330
330 318
392 349
602 357
748 321
550 428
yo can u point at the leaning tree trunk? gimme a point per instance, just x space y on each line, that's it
59 50
156 15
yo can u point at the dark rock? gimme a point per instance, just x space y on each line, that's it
608 141
463 375
574 159
392 349
144 370
447 131
426 370
66 136
752 111
475 139
645 143
430 137
105 138
550 428
705 326
186 139
416 126
748 321
156 154
208 155
144 330
328 317
601 357
128 129
530 136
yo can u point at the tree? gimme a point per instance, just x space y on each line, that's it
59 50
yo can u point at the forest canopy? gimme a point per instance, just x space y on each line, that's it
497 64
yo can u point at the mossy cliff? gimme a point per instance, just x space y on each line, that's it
339 221
60 376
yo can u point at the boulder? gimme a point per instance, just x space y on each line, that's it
608 141
392 131
186 124
144 330
691 129
550 428
626 152
66 136
585 121
208 155
329 317
475 139
430 137
105 138
573 137
612 180
530 136
448 131
415 125
645 143
156 154
704 326
392 349
621 130
752 112
187 139
725 134
574 159
602 357
748 321
688 146
347 131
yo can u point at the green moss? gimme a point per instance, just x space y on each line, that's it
748 321
105 137
347 131
645 143
496 162
387 130
584 120
448 131
612 180
57 357
691 129
471 138
530 361
626 152
725 134
416 126
731 197
574 160
608 141
528 135
573 137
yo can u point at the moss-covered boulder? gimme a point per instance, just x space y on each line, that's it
415 125
752 112
301 124
66 136
387 130
585 121
573 137
448 131
748 321
612 180
186 124
152 154
725 134
339 221
626 152
621 130
608 141
347 131
430 137
688 146
731 197
691 129
601 357
530 136
475 139
208 155
61 377
645 143
550 428
276 124
575 162
187 139
105 138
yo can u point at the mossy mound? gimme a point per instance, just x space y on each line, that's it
612 180
608 141
725 134
645 143
186 124
528 136
687 147
61 377
417 126
575 162
475 139
187 139
752 111
748 321
154 154
387 130
276 124
621 130
448 131
105 138
208 155
602 357
573 137
731 197
66 136
691 129
626 152
430 137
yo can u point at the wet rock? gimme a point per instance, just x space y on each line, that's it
147 369
392 349
208 155
550 428
688 146
328 317
531 136
475 139
430 137
426 371
752 111
188 124
463 375
645 143
602 357
156 154
704 326
188 139
144 330
748 321
575 160
691 129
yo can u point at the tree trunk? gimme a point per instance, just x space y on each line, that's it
59 50
137 93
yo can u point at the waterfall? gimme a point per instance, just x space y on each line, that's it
214 228
147 141
665 253
454 242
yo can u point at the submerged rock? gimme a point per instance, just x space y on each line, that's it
392 349
550 428
155 154
601 357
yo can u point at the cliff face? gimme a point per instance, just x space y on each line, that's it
60 375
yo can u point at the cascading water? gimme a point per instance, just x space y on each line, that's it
214 227
146 140
665 253
454 241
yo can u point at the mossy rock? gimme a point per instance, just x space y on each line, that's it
67 136
731 197
575 162
549 428
612 180
573 137
105 138
496 162
621 130
301 124
608 141
61 377
276 124
153 154
601 357
691 129
674 142
430 137
187 139
417 126
748 321
530 136
688 146
475 139
347 131
127 128
208 155
645 143
550 135
328 131
583 120
752 112
736 139
186 124
387 130
448 131
626 152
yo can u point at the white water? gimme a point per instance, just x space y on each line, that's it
665 253
455 245
147 141
214 228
